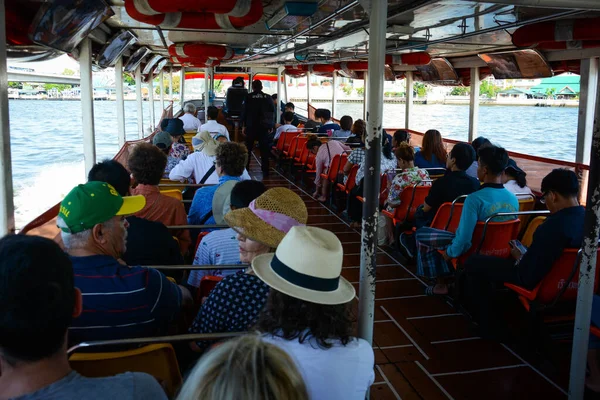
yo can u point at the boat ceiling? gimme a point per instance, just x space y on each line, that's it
338 30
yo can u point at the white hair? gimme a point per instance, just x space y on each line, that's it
73 241
189 108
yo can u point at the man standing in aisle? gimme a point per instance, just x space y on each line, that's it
257 123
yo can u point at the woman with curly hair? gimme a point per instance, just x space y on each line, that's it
147 165
308 314
230 161
433 151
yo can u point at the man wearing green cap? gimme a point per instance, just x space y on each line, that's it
118 301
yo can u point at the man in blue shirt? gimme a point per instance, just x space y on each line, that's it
118 301
327 125
230 161
562 229
491 198
38 301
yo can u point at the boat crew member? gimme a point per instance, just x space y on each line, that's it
234 99
257 123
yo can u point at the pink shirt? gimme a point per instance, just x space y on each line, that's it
326 152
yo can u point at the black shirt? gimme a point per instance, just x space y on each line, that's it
561 230
258 111
447 188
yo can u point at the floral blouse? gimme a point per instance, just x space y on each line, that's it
178 152
406 178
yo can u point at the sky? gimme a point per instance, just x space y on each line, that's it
54 66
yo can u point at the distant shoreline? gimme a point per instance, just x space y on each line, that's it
458 100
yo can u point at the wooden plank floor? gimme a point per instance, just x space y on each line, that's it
423 348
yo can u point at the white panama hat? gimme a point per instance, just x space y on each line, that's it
307 265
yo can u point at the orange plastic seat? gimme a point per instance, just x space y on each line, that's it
525 205
595 331
410 199
158 360
199 240
174 193
207 284
527 238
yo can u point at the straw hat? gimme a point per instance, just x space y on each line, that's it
269 217
307 266
205 143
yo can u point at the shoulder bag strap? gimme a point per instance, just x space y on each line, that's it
208 173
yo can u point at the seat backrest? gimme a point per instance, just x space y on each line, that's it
447 218
282 139
410 198
293 146
351 182
300 146
158 360
310 160
207 284
527 238
334 167
493 240
174 193
287 139
558 278
525 204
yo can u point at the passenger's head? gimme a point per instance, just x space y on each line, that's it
309 300
492 162
318 113
400 136
461 157
238 81
163 140
231 159
265 222
480 142
213 113
288 117
560 189
113 172
324 115
147 164
433 146
313 143
359 128
245 368
514 173
257 85
405 155
346 123
92 218
289 107
175 128
189 108
37 299
244 192
274 98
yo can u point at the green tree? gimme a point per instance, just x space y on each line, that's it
15 85
420 89
59 87
488 89
128 79
348 90
460 91
360 91
68 72
550 92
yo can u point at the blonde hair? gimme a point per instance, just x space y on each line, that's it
244 368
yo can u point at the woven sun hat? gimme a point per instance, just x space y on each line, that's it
269 217
307 265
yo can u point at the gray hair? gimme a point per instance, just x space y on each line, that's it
189 108
73 241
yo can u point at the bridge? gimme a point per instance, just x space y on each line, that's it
22 76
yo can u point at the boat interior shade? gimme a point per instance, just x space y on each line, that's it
115 48
519 64
438 70
136 59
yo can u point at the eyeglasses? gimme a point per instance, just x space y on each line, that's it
543 198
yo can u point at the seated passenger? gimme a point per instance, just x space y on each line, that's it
179 150
287 126
433 152
245 368
477 143
190 122
357 133
163 141
562 229
490 199
235 303
119 301
230 159
289 107
515 181
38 301
221 247
346 128
327 125
148 242
308 314
147 163
201 163
408 177
212 126
324 155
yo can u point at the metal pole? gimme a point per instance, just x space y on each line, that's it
285 90
587 268
365 94
87 104
7 211
279 69
120 101
206 92
587 99
307 90
162 89
181 85
474 104
409 98
334 94
151 101
139 99
171 83
368 251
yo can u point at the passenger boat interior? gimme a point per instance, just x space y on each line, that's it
424 346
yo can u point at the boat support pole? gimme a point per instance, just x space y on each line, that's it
87 104
206 92
139 99
587 267
151 101
409 98
285 90
474 104
7 213
587 98
162 89
120 101
277 108
171 83
308 93
181 86
334 94
365 94
368 250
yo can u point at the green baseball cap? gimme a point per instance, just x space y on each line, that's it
93 203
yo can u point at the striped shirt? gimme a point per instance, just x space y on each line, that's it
120 301
217 248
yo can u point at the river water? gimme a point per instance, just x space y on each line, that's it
47 143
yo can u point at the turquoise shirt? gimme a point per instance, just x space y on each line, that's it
490 199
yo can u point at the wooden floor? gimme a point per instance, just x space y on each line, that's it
423 348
